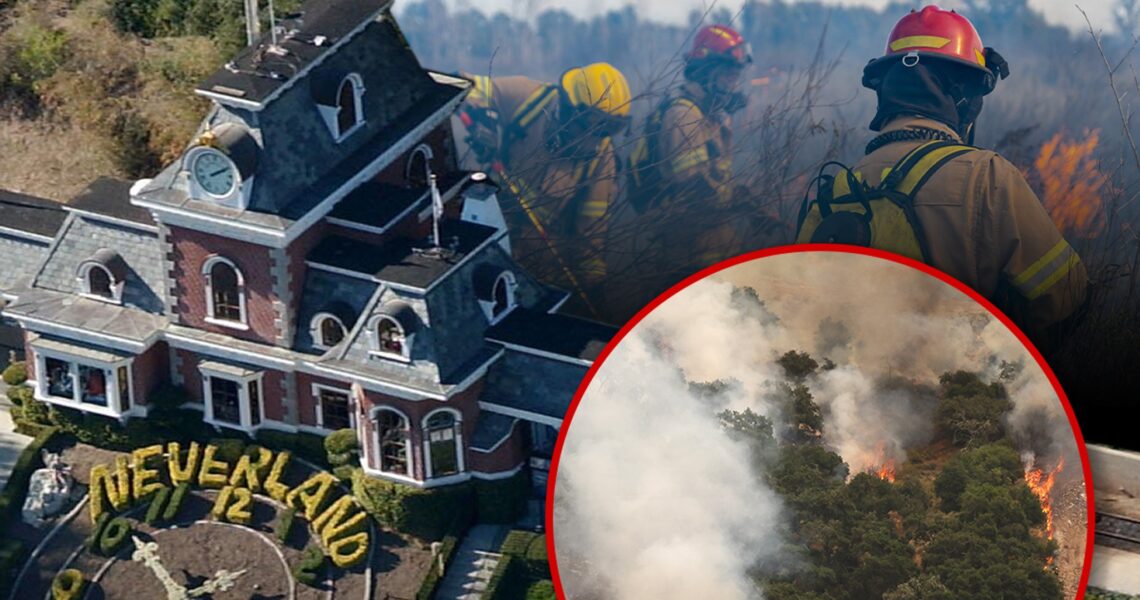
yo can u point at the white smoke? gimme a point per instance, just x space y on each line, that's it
653 500
662 503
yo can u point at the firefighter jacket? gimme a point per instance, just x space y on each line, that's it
562 189
985 227
695 147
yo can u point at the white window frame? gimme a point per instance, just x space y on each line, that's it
458 441
378 452
376 349
488 306
114 406
244 413
426 151
84 277
315 329
318 408
207 266
331 114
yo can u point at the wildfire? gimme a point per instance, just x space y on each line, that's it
1041 482
1072 183
882 467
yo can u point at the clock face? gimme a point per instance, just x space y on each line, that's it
214 172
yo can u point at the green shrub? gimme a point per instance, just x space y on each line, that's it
504 500
309 569
284 524
92 541
341 441
21 394
432 578
12 496
32 410
12 557
541 590
114 535
506 572
229 449
68 585
155 510
425 514
15 373
308 446
530 548
175 503
344 473
30 429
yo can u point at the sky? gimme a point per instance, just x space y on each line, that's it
1063 12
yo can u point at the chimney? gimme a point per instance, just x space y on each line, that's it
481 205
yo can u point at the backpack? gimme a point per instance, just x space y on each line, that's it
646 182
848 211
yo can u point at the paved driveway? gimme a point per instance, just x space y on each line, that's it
11 443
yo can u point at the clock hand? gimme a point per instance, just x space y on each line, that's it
147 553
219 172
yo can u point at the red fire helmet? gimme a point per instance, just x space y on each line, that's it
720 42
942 34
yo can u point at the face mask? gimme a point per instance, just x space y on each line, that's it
968 111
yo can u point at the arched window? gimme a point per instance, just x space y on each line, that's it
418 170
442 435
327 330
99 282
503 294
349 112
225 293
392 442
391 336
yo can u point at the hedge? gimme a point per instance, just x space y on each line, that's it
175 503
114 536
502 500
12 497
425 514
505 580
284 524
157 506
541 590
15 374
432 579
68 585
308 570
308 446
21 394
1099 594
12 554
530 548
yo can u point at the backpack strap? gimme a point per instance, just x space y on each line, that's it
911 173
526 114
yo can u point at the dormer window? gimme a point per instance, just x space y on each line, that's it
503 294
99 282
225 293
417 172
495 290
391 336
340 103
102 276
327 330
392 330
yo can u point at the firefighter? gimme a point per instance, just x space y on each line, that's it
551 147
977 217
680 180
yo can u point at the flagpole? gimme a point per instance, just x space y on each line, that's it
436 209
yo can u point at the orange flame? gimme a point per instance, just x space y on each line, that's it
1041 483
1071 183
885 468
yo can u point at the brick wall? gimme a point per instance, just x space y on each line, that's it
150 370
507 456
190 251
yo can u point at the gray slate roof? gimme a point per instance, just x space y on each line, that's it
19 257
532 384
491 429
327 292
30 214
111 197
67 309
554 333
83 236
256 74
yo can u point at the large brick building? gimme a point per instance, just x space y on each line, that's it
286 272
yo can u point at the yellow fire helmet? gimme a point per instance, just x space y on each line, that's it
599 86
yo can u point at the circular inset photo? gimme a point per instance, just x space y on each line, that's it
817 424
